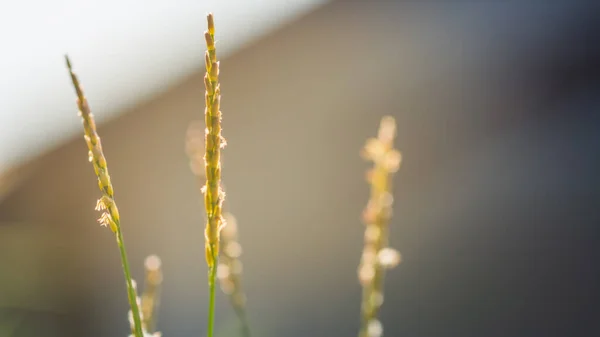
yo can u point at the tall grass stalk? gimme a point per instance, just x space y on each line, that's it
213 193
229 267
110 213
377 256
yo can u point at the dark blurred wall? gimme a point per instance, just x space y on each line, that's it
496 216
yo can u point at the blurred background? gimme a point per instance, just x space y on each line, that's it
495 203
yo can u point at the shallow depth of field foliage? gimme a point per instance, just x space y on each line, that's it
222 246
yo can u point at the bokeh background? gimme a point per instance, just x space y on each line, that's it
496 203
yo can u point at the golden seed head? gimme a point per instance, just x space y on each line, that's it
208 86
110 215
214 73
210 42
211 23
376 256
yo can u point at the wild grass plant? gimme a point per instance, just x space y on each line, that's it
229 267
214 142
106 204
203 146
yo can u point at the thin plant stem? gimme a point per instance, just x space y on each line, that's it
110 213
211 302
131 293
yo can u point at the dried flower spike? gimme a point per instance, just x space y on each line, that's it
376 256
110 213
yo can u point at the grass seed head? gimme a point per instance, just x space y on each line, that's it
214 142
376 256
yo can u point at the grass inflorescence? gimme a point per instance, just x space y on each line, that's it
214 142
229 266
110 213
377 256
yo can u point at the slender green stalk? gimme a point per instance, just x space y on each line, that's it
211 302
376 255
213 193
106 203
131 293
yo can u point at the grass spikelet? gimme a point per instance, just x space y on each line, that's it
110 213
213 193
230 270
377 256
